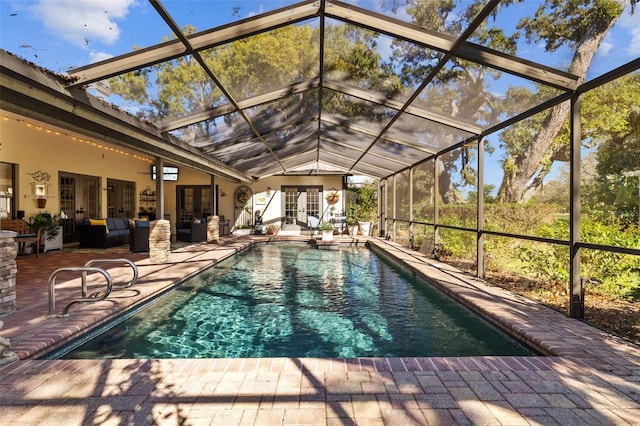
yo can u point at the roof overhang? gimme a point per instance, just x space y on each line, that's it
35 93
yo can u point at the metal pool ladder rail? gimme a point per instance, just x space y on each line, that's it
127 261
93 297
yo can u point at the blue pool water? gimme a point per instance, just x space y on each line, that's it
293 300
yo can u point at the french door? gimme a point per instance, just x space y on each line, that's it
299 202
79 199
120 200
193 201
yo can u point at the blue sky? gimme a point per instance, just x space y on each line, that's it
63 34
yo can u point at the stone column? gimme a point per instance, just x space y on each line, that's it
213 229
8 271
159 241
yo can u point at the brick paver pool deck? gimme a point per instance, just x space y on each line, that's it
587 377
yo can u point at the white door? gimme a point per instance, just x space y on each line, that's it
299 202
290 204
302 208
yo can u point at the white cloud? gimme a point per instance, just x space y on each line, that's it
606 47
99 56
83 22
629 23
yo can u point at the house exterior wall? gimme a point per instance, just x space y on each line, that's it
36 146
272 209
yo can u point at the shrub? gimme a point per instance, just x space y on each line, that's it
617 275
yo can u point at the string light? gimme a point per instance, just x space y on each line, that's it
77 139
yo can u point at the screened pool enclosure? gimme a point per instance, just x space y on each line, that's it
483 131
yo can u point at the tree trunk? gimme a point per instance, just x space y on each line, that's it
526 165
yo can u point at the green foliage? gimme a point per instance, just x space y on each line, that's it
402 195
524 219
366 200
47 223
472 196
618 275
245 67
459 244
546 261
612 126
352 213
462 215
557 23
423 192
326 226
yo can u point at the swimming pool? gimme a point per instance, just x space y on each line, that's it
292 300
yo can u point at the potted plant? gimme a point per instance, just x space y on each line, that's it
352 218
327 231
367 201
50 228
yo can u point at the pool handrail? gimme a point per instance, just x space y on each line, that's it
130 263
94 297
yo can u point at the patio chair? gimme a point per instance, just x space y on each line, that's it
223 226
313 223
191 232
24 234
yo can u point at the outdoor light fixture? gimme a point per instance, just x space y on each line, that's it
268 190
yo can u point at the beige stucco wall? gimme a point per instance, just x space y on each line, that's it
36 146
272 210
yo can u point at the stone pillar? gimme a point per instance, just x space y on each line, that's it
159 241
8 271
213 229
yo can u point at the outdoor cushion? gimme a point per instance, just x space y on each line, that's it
99 222
117 223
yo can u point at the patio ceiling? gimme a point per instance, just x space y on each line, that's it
299 126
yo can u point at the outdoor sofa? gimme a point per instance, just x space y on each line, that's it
104 233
